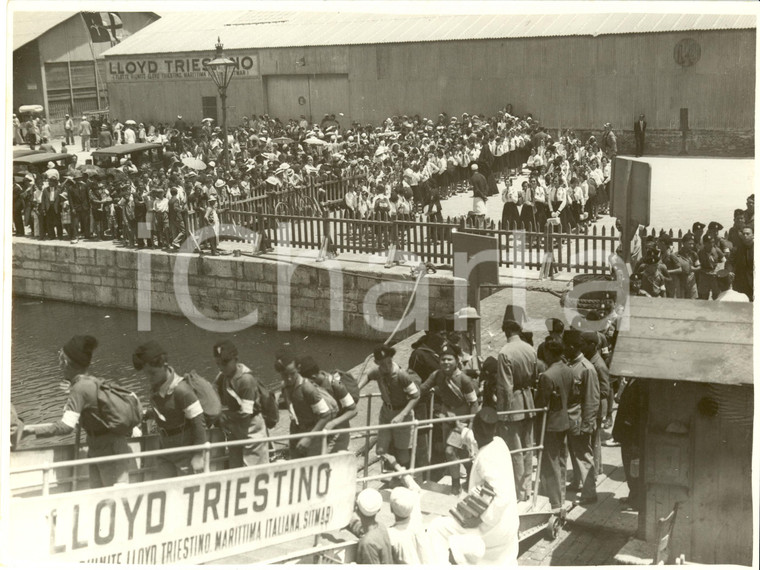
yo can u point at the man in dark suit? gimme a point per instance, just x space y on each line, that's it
554 386
52 205
518 214
639 133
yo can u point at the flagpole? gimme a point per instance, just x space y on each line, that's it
94 60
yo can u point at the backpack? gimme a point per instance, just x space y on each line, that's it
118 410
268 406
328 398
350 384
207 396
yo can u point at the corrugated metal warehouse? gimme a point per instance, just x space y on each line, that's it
54 55
575 71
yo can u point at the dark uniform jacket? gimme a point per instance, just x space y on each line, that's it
554 387
516 365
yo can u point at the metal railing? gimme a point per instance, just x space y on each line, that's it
363 431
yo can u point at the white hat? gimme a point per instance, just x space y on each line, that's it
29 176
52 175
474 167
51 165
369 502
123 161
212 198
402 502
219 183
211 163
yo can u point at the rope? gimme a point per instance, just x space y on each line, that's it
422 274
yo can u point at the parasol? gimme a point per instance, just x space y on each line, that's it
194 163
91 170
207 120
274 181
129 122
282 140
316 141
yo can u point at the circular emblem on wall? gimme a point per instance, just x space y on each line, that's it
687 52
302 100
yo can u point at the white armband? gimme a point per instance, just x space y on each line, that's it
347 401
70 418
193 410
320 407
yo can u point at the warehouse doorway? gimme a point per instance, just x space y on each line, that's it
314 96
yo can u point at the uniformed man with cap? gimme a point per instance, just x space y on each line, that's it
331 383
583 409
308 409
176 409
455 391
400 395
590 349
721 243
74 361
241 416
711 259
555 386
517 370
555 328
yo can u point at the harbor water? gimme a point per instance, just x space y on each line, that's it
40 328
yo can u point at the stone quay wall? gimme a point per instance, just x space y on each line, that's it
228 288
726 143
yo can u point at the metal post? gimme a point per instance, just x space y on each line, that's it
46 480
207 458
223 95
323 437
414 445
540 456
430 434
366 440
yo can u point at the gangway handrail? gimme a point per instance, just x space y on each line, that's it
208 446
244 442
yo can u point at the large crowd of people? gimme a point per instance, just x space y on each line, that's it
405 165
704 266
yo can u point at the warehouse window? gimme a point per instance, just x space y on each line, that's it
209 108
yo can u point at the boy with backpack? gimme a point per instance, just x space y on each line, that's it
310 408
177 411
241 417
82 407
340 386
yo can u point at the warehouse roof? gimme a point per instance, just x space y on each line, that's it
28 26
686 340
188 31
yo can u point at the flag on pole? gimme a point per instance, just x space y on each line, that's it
104 27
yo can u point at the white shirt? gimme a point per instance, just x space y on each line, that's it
733 297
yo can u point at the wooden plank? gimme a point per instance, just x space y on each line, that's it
691 330
682 360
